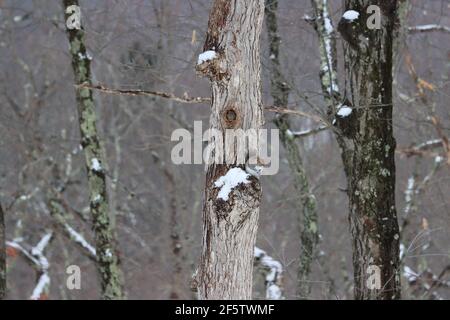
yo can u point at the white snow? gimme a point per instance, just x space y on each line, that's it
231 180
97 198
438 159
259 253
78 238
273 292
409 274
344 111
206 56
108 253
84 56
429 27
95 165
402 251
328 66
351 15
289 134
39 248
409 192
44 282
275 269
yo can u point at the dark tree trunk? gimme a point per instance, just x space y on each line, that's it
229 226
371 173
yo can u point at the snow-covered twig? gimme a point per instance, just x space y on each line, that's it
428 28
36 256
425 282
422 149
273 274
414 188
80 240
58 212
307 133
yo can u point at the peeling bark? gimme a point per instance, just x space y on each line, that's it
107 260
229 227
307 202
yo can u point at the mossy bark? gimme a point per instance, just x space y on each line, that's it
307 202
107 260
366 139
371 177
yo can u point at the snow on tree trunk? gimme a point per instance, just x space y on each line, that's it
371 174
107 261
307 202
231 211
2 255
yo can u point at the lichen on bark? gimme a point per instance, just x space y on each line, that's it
107 260
307 217
371 178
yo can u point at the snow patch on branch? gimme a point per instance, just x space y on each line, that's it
44 282
409 274
344 111
95 165
78 238
327 38
206 56
273 276
350 15
409 193
231 180
42 244
36 257
429 27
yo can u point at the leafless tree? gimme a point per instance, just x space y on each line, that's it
230 223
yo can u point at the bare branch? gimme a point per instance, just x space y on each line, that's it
37 258
137 92
307 133
296 112
428 28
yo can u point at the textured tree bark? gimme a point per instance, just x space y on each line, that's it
365 137
371 177
307 202
2 255
107 261
229 226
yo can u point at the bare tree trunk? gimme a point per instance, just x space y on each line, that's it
371 177
230 224
107 260
2 255
307 202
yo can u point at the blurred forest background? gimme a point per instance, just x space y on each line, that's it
156 205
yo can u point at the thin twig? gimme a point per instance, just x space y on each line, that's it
138 92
